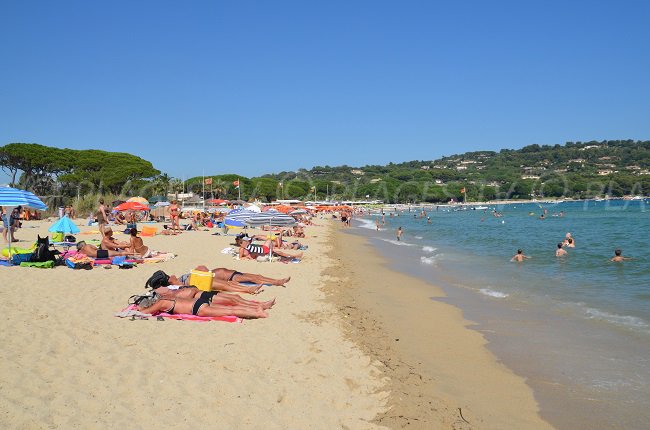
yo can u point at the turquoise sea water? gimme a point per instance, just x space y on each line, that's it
577 327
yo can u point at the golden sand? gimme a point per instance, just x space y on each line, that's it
68 362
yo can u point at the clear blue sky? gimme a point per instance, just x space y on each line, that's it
255 87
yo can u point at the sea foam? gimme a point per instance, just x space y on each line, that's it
623 320
492 293
428 260
429 249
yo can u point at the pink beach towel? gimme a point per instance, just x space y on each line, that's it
187 317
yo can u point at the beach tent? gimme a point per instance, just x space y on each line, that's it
64 225
13 197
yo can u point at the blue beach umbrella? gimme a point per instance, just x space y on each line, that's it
64 225
237 217
272 218
13 197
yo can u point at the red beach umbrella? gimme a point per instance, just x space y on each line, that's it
131 206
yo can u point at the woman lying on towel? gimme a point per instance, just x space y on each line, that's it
202 306
161 279
216 297
250 251
224 274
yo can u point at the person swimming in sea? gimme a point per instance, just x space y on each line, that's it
618 256
560 252
519 257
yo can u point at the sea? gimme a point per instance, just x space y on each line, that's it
576 327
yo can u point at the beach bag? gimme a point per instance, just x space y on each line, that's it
69 238
57 236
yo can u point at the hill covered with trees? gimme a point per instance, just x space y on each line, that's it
574 170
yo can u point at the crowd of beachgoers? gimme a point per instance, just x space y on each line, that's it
220 291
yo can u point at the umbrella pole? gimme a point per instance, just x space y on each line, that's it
270 247
9 210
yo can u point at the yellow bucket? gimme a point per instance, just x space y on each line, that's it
201 280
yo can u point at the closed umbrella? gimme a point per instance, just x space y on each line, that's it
272 218
13 197
64 225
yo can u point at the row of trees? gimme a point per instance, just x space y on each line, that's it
64 175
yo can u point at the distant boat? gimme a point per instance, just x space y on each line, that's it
480 208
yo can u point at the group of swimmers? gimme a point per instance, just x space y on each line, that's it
568 242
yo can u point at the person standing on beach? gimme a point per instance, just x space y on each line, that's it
174 214
519 256
102 215
399 233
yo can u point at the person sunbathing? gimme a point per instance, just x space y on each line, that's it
202 306
94 252
161 279
137 246
216 297
224 274
110 243
250 251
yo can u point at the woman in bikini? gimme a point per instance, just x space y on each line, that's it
174 215
215 297
201 306
137 246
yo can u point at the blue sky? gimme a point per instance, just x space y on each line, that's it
256 87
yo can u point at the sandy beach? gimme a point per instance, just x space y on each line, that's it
349 344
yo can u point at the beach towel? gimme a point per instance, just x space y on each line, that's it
132 310
39 264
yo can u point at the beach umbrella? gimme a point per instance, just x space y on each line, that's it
13 197
298 212
217 202
253 208
64 225
116 202
131 206
139 200
272 218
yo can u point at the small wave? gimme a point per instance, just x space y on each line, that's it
418 237
429 249
428 260
395 242
624 320
492 293
365 223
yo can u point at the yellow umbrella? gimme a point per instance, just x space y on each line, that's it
139 200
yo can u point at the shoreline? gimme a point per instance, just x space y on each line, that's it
440 372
